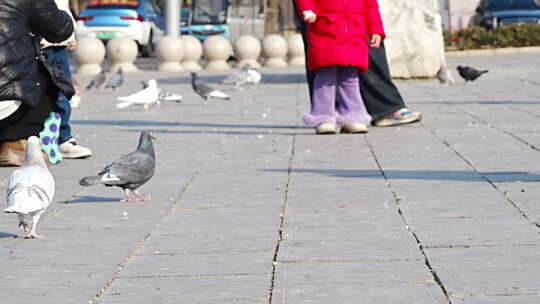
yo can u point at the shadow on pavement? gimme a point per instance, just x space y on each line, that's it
442 175
94 199
4 235
482 102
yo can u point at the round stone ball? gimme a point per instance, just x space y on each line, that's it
89 50
170 49
217 47
193 49
122 49
247 47
296 45
275 46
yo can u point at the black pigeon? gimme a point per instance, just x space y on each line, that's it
470 74
116 80
97 81
204 90
128 172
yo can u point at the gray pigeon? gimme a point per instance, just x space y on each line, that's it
30 188
445 76
116 80
128 172
204 90
97 81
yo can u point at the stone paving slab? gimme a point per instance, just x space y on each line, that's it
249 206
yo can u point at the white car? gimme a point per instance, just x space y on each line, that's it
140 20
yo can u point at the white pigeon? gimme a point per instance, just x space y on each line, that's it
165 95
30 188
147 97
249 78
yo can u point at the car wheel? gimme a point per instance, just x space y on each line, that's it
148 49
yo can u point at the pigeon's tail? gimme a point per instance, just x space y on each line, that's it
218 94
10 209
90 181
483 72
124 104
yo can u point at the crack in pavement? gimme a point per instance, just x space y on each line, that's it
396 200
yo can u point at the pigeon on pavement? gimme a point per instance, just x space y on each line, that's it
97 81
469 73
128 172
165 95
147 97
204 90
30 189
249 77
116 80
445 77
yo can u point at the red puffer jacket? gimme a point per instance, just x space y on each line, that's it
341 32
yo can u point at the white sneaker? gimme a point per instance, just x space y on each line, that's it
70 149
325 128
354 128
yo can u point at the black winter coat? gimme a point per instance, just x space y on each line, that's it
21 62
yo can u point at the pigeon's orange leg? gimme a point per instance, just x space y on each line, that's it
127 197
141 198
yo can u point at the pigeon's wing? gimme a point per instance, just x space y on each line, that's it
147 95
136 167
202 88
114 81
30 189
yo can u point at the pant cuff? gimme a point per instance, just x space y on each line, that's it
312 120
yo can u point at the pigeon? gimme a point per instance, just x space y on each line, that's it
205 91
97 81
235 76
128 172
116 80
165 95
147 97
445 76
248 77
470 74
30 189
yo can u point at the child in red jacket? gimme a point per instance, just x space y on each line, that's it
338 32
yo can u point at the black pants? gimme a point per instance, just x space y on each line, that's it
379 93
27 120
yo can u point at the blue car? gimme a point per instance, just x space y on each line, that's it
140 20
493 13
209 17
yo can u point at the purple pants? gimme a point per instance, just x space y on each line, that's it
348 109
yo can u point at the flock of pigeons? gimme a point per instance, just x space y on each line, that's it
30 188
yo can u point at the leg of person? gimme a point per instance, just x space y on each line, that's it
15 129
381 97
68 146
323 112
309 75
353 115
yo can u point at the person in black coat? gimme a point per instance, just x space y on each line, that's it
29 86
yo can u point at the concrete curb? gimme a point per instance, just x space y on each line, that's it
531 49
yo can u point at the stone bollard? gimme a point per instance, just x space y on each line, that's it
170 52
89 54
247 50
122 52
275 49
193 51
217 50
296 50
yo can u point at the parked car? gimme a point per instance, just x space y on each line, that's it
209 17
140 20
185 16
493 13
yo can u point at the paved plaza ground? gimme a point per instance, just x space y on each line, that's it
249 206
